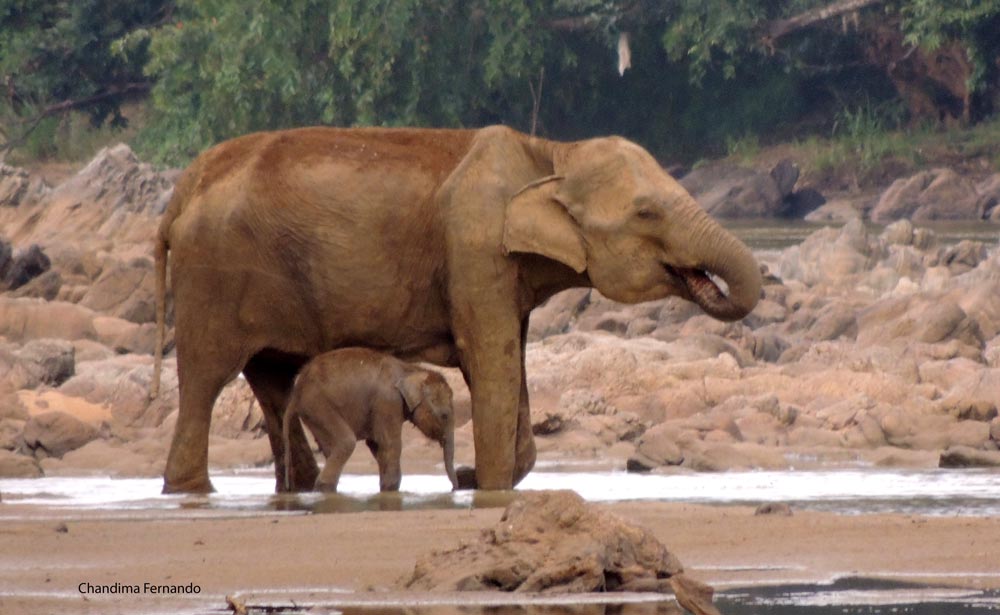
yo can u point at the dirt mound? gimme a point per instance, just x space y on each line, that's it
553 542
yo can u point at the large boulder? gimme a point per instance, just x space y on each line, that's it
13 465
38 362
18 186
112 200
730 191
553 542
24 266
937 194
54 433
125 290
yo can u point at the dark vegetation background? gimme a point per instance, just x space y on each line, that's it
847 82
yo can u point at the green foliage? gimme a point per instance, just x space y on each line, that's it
56 56
704 80
974 23
226 68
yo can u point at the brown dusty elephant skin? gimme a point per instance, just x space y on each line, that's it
354 394
431 245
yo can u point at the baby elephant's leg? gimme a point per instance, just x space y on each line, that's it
386 444
337 441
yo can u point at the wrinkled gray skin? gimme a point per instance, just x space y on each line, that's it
355 394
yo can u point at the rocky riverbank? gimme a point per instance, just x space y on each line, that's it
866 348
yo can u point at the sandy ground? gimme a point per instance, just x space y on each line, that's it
337 558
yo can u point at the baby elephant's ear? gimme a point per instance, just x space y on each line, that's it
410 387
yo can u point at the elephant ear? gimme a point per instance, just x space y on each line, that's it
410 387
537 223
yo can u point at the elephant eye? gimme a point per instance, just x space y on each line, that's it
647 213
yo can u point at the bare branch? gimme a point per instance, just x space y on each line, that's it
772 30
31 124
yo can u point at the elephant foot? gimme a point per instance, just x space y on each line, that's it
200 484
466 478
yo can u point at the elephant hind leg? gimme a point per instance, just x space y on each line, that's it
201 377
271 381
337 441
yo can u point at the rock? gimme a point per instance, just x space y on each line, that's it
24 266
124 290
837 211
926 319
13 465
774 508
967 457
694 596
38 362
54 433
657 447
899 232
115 198
46 286
236 413
10 433
558 313
729 191
803 203
553 542
785 174
989 189
552 422
937 194
124 336
830 256
27 319
17 186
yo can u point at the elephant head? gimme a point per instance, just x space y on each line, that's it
609 211
428 399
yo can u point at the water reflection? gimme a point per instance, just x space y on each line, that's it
973 492
845 596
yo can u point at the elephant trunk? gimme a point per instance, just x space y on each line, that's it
448 444
721 254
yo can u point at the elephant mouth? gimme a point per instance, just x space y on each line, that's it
702 289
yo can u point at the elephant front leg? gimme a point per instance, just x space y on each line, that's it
492 360
390 474
524 452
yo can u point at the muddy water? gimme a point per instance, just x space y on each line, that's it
847 596
851 491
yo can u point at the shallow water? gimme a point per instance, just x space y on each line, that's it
777 234
973 492
845 596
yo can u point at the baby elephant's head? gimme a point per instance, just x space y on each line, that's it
428 400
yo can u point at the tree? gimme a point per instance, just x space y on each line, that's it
703 71
57 56
225 68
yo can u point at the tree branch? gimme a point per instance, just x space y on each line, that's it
31 124
634 11
771 31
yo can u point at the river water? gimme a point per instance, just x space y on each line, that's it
973 492
776 234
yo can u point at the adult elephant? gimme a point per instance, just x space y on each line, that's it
432 245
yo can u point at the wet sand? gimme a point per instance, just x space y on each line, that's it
348 557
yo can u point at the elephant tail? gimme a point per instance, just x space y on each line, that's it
162 248
182 191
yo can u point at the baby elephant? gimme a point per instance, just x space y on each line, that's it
356 394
